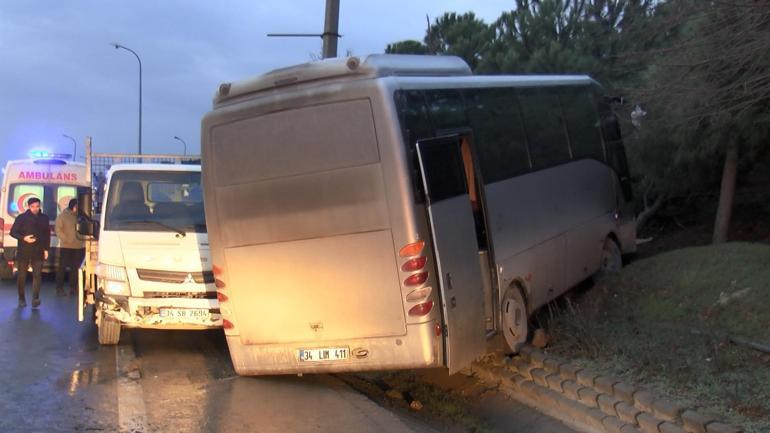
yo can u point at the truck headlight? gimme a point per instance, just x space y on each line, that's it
115 279
116 287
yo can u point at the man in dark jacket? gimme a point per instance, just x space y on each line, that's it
33 232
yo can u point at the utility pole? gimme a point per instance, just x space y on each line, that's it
331 30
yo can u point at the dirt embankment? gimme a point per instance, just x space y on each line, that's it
690 324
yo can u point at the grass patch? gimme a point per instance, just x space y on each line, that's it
665 322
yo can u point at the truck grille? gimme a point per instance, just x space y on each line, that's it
205 277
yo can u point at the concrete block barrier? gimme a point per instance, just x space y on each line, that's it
589 402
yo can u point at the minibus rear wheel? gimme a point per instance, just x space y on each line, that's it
515 319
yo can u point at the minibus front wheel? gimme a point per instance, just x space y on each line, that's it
611 261
514 318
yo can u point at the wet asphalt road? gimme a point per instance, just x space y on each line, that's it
55 377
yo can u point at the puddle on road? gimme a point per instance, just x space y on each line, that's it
82 378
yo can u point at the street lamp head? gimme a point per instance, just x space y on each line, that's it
115 44
74 144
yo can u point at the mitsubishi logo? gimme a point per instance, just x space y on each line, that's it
189 279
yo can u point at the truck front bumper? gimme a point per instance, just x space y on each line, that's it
162 313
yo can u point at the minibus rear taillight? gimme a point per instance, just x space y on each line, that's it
415 264
416 279
2 231
421 309
226 324
420 294
412 249
218 282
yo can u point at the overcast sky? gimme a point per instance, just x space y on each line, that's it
59 75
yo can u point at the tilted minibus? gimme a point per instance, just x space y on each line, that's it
53 180
396 211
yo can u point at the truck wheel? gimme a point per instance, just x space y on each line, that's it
612 260
109 330
514 318
6 272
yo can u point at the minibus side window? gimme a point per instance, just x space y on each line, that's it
616 152
546 136
582 122
416 125
446 108
447 177
498 133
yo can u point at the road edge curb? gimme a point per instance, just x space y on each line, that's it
589 402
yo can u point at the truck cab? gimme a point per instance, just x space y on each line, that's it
152 267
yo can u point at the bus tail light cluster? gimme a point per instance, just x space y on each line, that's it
416 279
415 262
419 294
217 271
413 249
421 309
221 296
2 231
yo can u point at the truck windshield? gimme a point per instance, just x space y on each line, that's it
155 201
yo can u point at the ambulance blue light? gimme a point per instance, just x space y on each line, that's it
34 154
44 154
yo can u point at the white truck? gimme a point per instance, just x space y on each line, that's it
147 254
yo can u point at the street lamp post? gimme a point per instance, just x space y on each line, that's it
183 143
74 146
117 46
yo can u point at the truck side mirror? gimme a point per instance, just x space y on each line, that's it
85 203
86 225
88 228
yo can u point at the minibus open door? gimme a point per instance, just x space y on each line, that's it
455 247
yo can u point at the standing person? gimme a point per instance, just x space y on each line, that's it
71 247
32 231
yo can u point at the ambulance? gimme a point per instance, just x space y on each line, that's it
49 177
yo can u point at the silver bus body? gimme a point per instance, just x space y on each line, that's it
338 242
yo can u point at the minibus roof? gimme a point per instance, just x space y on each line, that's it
371 66
409 70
